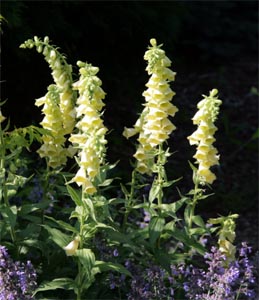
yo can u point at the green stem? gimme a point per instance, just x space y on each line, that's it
129 199
161 175
78 296
194 202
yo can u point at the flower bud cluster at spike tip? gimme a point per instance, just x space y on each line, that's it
154 126
62 75
226 235
90 138
203 137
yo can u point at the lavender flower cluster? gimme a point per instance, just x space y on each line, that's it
221 280
216 280
148 284
17 279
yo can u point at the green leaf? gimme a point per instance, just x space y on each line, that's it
109 266
57 236
255 136
156 226
198 231
182 236
169 183
154 192
106 182
88 203
187 213
10 215
124 190
174 207
58 283
63 224
87 259
125 239
75 195
198 221
28 208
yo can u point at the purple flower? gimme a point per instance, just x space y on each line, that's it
17 279
220 280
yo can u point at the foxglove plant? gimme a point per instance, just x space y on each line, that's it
159 246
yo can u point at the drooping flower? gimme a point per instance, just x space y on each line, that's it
206 155
72 247
153 125
90 138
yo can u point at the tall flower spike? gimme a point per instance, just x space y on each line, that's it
62 75
90 138
154 126
203 137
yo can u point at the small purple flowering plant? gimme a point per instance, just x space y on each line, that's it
17 279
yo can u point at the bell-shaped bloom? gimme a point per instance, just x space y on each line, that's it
71 248
206 154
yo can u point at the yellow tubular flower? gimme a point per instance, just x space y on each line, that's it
53 144
206 154
90 138
153 126
71 248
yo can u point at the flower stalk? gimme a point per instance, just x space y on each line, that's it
206 154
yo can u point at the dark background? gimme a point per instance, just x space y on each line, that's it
212 44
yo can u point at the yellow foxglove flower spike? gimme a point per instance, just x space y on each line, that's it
154 126
90 138
62 75
53 144
206 154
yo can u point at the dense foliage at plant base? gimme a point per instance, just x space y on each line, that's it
88 234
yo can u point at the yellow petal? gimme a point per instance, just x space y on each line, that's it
72 247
